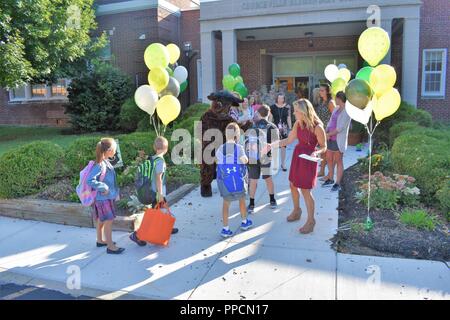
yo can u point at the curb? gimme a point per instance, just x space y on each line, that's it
73 214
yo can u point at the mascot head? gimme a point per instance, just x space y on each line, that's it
222 101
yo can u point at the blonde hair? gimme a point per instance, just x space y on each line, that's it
160 143
311 120
104 145
232 131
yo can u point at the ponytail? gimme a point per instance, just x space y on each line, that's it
103 146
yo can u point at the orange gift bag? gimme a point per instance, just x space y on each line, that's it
157 225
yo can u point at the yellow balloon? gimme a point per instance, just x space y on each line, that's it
156 55
158 78
168 109
387 104
373 45
382 79
345 74
174 53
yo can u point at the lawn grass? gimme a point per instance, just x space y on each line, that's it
14 136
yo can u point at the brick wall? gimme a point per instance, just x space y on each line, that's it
190 31
127 49
36 113
397 49
256 69
434 33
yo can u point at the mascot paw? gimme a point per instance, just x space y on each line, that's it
206 191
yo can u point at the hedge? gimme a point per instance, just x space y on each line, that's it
30 168
397 129
130 115
424 153
406 113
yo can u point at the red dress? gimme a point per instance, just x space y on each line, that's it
303 173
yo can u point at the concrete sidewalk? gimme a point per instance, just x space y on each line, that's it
271 261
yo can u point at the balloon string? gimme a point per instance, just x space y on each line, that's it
370 132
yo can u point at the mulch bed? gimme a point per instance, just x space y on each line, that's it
389 237
62 190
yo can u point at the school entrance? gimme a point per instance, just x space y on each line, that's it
304 72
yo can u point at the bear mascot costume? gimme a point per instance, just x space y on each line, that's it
216 117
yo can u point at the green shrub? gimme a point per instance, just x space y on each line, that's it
380 198
398 128
79 153
425 158
418 219
406 113
144 125
29 168
131 144
130 115
95 98
443 196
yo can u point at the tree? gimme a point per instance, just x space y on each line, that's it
43 39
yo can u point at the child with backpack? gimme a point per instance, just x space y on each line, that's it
232 177
151 180
102 179
262 133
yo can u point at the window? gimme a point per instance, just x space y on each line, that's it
433 72
59 88
18 93
38 91
105 52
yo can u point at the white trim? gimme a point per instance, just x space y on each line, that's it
199 80
443 72
135 5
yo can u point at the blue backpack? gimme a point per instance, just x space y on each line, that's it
231 178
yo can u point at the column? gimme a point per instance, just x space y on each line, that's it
208 58
229 49
387 26
410 60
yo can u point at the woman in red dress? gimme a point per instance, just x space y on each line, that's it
308 130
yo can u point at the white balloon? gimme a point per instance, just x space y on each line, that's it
180 73
331 72
146 98
342 66
360 115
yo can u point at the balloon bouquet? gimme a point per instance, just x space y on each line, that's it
166 80
371 91
234 81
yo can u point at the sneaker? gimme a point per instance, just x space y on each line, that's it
273 204
134 238
328 183
250 209
226 233
174 230
336 187
247 225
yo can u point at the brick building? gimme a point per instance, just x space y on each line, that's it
276 42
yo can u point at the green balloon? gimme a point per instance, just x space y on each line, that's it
241 89
169 71
364 73
358 92
183 86
366 64
228 82
338 85
234 70
239 79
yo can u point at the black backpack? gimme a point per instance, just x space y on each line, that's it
143 181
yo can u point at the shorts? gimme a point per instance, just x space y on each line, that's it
104 210
332 145
255 171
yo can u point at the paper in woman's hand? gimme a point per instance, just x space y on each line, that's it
308 157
